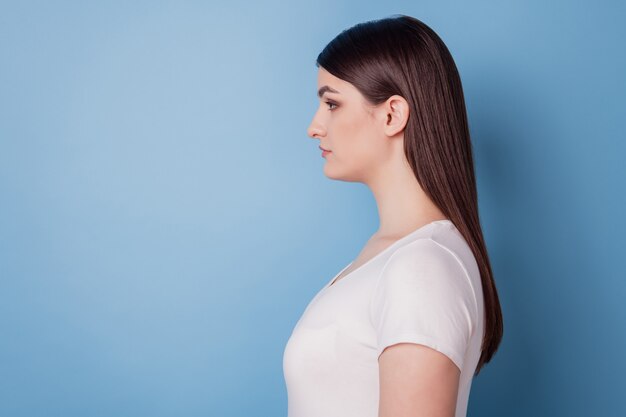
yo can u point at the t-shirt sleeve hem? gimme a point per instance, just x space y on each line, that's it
423 340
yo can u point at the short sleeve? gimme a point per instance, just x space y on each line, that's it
424 295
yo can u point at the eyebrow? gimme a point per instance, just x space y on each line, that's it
325 89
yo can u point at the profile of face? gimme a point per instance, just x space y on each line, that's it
362 139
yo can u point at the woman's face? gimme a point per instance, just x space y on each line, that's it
350 128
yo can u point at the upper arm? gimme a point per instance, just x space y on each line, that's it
424 312
416 380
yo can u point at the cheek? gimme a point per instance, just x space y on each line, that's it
359 144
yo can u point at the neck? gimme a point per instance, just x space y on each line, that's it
403 206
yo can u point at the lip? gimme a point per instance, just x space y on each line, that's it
324 149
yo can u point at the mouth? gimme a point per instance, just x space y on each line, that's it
327 150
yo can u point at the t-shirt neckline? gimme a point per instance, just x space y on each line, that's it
331 283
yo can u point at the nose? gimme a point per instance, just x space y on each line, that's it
315 130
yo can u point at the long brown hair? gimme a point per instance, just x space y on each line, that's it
402 55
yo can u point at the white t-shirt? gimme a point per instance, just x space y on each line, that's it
424 288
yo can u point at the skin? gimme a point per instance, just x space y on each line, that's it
366 144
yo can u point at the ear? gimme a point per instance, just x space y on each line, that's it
396 112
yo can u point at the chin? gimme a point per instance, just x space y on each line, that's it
338 176
330 173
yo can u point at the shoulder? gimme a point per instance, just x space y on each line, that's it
429 271
424 295
425 258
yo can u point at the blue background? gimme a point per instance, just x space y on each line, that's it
164 217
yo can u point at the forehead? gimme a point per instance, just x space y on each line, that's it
326 78
329 84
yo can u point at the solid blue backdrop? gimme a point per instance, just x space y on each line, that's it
164 217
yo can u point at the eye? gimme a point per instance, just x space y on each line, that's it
332 104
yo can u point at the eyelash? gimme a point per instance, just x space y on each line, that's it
334 104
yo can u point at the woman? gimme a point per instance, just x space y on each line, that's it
402 329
